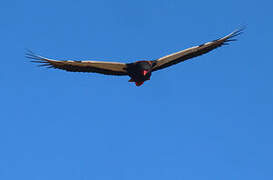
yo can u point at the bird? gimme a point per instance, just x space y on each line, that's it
139 71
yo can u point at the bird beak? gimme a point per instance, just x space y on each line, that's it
139 83
144 72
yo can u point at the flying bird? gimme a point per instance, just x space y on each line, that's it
139 71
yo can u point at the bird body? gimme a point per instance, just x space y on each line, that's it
139 71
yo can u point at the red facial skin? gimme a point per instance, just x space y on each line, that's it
144 72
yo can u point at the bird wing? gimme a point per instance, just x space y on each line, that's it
107 68
186 54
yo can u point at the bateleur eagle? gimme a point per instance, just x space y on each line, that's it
139 71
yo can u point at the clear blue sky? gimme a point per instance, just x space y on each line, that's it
209 118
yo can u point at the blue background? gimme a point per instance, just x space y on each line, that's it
208 118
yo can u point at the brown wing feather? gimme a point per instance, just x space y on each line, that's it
107 68
186 54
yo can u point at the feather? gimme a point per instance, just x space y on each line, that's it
107 68
195 51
